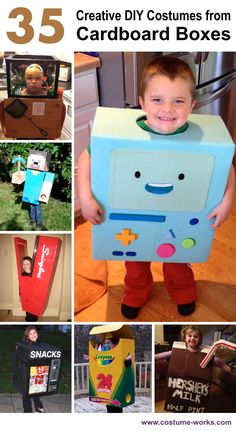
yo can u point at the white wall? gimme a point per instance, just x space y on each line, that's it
6 257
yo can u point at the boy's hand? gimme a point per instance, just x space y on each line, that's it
220 213
92 211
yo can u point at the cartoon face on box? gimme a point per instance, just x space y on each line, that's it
152 180
38 160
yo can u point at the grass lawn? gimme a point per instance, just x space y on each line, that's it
9 335
14 214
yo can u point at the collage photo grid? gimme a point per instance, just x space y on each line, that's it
117 232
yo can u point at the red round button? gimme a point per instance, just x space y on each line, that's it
165 250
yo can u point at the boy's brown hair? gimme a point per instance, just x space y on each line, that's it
27 258
169 66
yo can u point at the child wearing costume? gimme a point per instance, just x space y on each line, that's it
188 382
26 265
192 337
38 183
108 343
167 95
31 336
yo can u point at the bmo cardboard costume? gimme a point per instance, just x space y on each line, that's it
111 380
157 190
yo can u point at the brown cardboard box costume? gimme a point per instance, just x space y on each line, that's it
32 118
188 385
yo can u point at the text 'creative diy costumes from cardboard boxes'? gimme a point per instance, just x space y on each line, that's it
190 377
111 374
36 368
35 289
157 190
33 109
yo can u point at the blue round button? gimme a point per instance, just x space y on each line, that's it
193 221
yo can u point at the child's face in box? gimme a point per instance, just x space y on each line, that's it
26 266
167 103
34 82
109 343
33 335
192 339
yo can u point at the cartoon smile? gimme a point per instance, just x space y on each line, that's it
159 188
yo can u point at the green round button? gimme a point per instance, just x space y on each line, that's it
188 243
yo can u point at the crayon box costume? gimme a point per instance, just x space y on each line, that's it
111 379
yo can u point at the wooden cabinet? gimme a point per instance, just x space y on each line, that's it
85 102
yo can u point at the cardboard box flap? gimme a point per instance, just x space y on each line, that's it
179 345
182 345
120 331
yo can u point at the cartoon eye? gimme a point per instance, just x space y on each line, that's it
181 176
137 174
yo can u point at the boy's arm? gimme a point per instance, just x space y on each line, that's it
91 209
46 187
221 212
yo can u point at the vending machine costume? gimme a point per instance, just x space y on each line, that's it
35 290
111 378
36 368
157 190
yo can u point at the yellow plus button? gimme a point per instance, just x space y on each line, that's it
126 237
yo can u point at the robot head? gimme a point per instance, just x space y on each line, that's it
38 160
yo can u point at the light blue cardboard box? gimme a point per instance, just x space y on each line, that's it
157 190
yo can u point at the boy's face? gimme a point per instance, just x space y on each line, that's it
167 103
34 81
26 266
